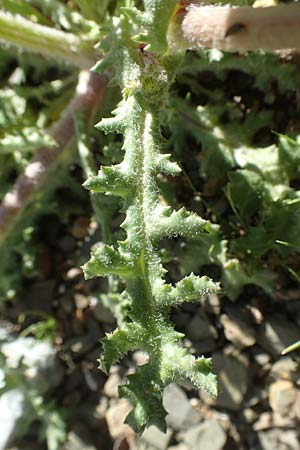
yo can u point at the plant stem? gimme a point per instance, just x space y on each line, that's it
242 28
49 42
89 93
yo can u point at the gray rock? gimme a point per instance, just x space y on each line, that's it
156 439
286 368
275 439
260 356
112 384
74 442
232 370
181 414
40 367
236 330
209 435
256 314
264 422
80 345
255 395
249 415
13 421
277 333
81 301
34 364
100 312
282 396
212 304
115 416
200 328
73 273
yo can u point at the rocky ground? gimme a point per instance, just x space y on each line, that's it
258 407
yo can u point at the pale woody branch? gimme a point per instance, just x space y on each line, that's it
52 43
89 94
238 28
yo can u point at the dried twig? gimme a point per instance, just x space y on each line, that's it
89 93
239 28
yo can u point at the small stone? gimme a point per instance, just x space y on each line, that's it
286 368
181 414
200 328
249 415
264 422
73 273
296 407
74 442
282 396
111 386
261 358
255 395
275 439
290 439
238 331
115 417
233 377
209 435
256 314
100 312
156 438
212 304
101 408
80 345
81 301
277 333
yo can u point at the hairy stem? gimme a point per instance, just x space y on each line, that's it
145 80
47 41
238 28
89 93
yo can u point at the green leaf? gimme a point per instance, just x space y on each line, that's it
110 180
120 342
178 223
189 289
106 260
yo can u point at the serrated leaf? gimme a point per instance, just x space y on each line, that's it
166 166
110 180
178 223
145 394
106 260
117 344
183 366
